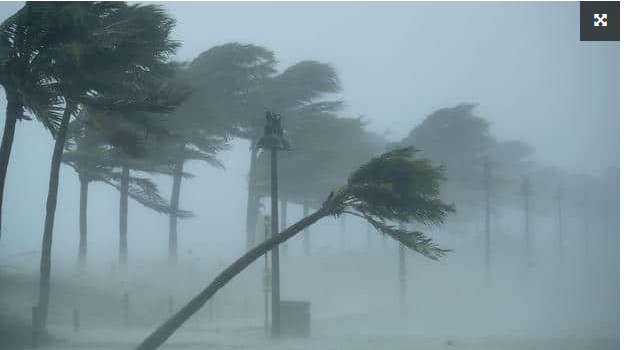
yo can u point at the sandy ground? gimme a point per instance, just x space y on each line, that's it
329 335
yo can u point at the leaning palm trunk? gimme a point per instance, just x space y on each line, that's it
13 111
51 207
175 207
83 221
307 236
368 194
283 224
122 217
159 336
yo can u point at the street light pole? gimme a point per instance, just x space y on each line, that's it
266 280
275 257
273 140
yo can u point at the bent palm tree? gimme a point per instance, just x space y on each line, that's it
95 50
391 187
23 77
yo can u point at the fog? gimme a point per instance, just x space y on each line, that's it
524 71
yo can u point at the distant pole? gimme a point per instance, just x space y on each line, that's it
275 258
75 320
266 280
126 310
273 140
34 327
402 279
559 199
123 212
586 239
487 221
368 234
526 191
170 306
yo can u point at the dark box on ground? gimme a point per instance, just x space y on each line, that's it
295 318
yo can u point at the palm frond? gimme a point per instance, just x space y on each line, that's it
415 240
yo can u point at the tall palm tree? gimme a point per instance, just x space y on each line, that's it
23 76
226 82
390 187
97 49
290 93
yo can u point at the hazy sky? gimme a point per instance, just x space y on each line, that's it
522 62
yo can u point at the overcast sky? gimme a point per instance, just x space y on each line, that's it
522 62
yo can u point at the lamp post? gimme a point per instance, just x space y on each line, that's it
273 140
266 280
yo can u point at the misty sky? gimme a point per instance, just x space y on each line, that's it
522 62
398 62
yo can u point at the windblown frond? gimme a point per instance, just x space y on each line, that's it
415 240
395 187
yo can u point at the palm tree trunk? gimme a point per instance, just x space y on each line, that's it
175 206
402 280
252 210
342 232
83 221
13 111
51 207
160 335
122 218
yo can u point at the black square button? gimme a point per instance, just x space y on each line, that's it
600 21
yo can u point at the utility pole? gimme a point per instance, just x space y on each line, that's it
273 140
559 199
586 240
526 191
487 220
266 280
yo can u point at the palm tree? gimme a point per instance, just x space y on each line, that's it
320 158
83 150
461 141
23 77
201 126
94 159
290 93
227 81
95 50
390 187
